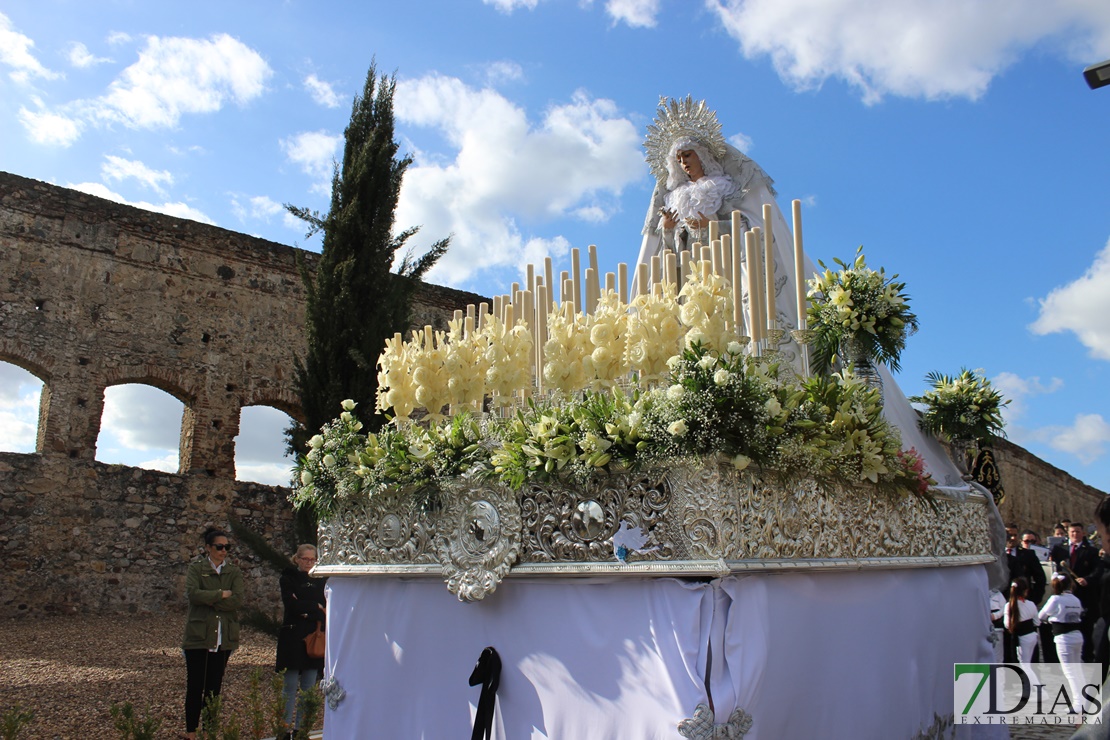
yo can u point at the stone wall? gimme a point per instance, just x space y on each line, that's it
1039 494
95 294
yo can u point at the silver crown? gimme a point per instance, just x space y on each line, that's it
678 119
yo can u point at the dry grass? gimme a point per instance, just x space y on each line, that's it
70 670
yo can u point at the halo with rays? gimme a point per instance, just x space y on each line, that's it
681 118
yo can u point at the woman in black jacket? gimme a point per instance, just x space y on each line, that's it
303 598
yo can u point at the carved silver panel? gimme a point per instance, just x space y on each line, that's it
479 538
563 524
388 527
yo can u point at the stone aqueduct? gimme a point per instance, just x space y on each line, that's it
95 294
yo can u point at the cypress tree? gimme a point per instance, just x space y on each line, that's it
355 301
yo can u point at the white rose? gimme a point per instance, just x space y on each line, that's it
677 428
675 392
316 442
741 461
329 461
735 348
346 417
306 477
721 377
348 405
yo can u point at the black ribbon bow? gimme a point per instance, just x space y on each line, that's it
487 671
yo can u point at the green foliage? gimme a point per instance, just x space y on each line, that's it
354 300
276 704
130 727
310 703
13 720
861 306
211 719
256 707
965 407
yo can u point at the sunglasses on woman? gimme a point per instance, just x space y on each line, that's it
223 547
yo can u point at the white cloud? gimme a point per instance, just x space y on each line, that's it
508 6
118 169
1017 389
180 210
52 129
259 207
15 52
636 13
503 71
916 48
507 169
1082 307
321 91
314 152
741 141
80 56
269 474
260 447
168 463
19 408
1086 438
173 77
177 76
115 38
141 417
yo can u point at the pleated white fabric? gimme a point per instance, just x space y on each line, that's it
860 654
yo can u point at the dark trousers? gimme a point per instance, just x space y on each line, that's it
204 672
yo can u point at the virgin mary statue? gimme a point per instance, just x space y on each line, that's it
700 177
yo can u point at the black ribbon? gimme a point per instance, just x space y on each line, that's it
487 671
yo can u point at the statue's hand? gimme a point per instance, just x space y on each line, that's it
670 218
700 222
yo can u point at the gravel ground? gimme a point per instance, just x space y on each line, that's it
70 670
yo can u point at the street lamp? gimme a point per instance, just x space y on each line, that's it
1098 75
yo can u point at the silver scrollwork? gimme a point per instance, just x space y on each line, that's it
702 727
479 539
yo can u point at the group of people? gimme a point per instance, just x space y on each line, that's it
1072 625
214 589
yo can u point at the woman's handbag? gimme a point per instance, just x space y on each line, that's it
314 642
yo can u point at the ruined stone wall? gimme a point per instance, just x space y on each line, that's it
94 294
1038 494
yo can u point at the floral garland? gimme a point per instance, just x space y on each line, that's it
725 405
964 408
861 307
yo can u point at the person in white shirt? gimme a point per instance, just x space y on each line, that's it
1021 620
1064 613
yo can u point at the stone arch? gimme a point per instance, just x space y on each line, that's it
152 418
154 375
282 399
260 447
42 367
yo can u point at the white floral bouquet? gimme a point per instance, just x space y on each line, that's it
861 307
655 333
964 408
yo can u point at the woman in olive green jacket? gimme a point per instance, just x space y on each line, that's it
214 588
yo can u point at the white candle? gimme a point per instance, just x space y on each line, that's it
670 269
541 333
799 265
752 259
684 261
610 282
622 282
576 275
591 283
726 250
769 265
592 250
737 290
548 280
565 293
483 311
714 231
656 270
643 286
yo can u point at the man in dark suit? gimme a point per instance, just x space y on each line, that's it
1079 559
1024 562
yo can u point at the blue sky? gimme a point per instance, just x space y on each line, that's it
956 141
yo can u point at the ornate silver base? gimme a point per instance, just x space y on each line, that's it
704 519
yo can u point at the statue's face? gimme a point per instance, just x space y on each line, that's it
690 163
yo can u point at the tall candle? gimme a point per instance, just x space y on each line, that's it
622 281
541 333
591 282
670 269
714 231
483 311
753 285
799 265
564 280
726 249
643 285
457 315
737 290
715 256
684 261
576 275
497 307
610 282
530 279
769 265
656 270
592 249
548 280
